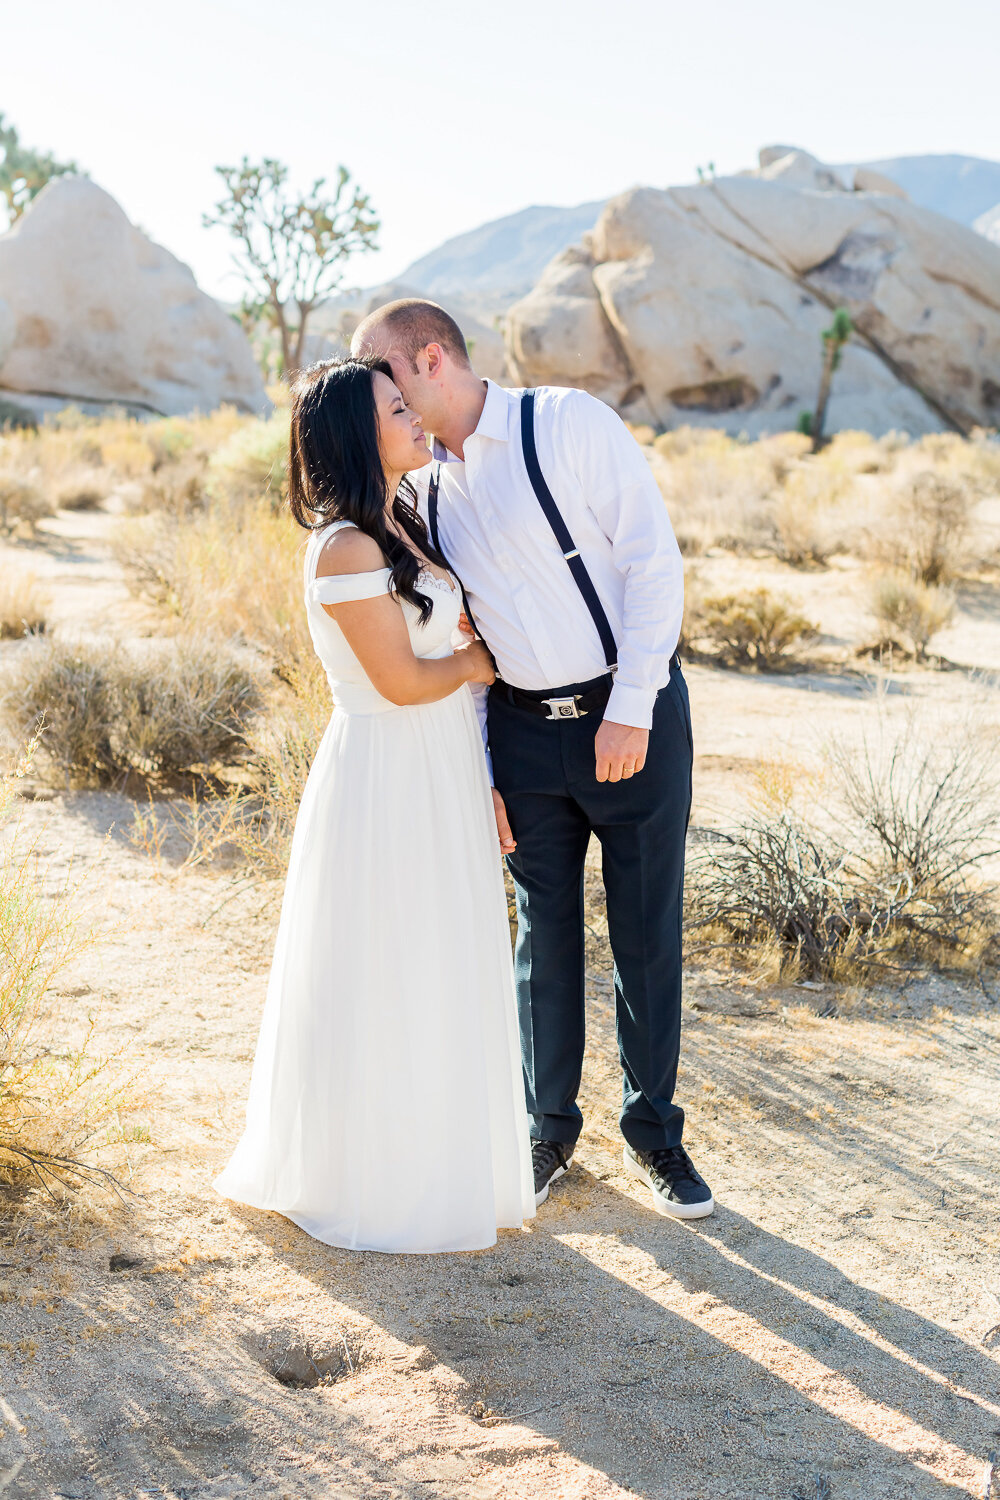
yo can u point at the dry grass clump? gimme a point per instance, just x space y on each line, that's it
908 505
52 1094
22 503
253 462
886 870
754 628
229 569
23 605
909 613
176 707
84 490
281 749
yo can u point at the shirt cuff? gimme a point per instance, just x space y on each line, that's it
632 706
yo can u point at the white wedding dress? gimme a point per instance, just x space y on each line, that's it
386 1107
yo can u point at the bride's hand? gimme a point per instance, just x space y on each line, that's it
479 662
465 626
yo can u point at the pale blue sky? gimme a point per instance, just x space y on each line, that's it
452 113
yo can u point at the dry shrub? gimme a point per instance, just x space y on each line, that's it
233 568
925 529
755 628
805 517
22 503
888 869
281 749
177 706
23 605
253 462
85 490
53 1094
909 505
909 613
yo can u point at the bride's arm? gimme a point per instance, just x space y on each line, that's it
376 632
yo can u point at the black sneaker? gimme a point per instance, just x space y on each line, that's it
678 1190
550 1159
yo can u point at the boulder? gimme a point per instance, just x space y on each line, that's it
7 326
707 304
102 314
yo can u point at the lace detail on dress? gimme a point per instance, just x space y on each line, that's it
425 576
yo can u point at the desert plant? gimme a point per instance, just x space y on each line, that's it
50 1103
754 628
291 247
910 613
22 503
282 747
229 569
834 339
935 512
23 605
24 171
892 868
83 491
106 711
253 462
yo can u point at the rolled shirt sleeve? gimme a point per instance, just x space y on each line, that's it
630 510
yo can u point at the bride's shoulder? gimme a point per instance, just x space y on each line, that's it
348 550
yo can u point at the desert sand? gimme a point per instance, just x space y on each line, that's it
832 1331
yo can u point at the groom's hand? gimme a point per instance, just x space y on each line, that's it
507 841
621 751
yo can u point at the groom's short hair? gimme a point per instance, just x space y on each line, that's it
410 325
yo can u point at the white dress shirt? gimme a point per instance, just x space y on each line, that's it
526 604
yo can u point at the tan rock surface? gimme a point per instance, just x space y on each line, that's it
101 313
716 296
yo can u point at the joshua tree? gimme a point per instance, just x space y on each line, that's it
834 339
291 247
24 172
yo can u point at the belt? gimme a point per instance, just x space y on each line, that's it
564 703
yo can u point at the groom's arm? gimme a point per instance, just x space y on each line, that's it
620 489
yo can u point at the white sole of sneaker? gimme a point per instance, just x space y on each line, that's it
668 1210
559 1172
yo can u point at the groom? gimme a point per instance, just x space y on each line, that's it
545 507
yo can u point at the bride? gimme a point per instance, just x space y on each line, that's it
386 1107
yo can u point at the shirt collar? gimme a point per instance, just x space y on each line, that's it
493 422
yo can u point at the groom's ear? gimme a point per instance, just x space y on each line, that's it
430 361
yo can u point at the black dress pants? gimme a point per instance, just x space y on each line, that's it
545 771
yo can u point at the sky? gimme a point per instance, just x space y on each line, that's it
453 112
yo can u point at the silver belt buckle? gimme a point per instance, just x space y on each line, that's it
563 708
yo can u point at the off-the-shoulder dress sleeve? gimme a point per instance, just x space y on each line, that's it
345 588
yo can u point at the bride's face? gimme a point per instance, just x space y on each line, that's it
401 438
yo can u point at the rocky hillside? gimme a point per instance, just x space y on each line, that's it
706 305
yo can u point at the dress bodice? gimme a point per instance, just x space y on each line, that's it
350 685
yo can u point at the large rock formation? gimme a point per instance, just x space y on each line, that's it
706 305
96 312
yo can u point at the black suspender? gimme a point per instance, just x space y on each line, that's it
567 546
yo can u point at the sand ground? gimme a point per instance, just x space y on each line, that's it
833 1330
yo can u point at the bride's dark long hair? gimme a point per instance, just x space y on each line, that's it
335 469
